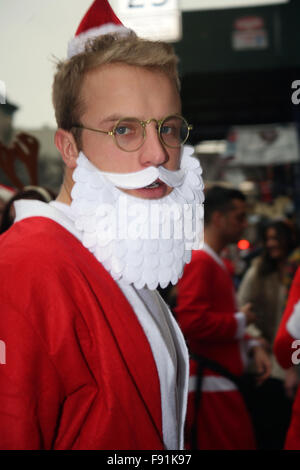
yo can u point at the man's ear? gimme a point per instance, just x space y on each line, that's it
66 145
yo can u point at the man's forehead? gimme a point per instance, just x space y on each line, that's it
120 90
121 70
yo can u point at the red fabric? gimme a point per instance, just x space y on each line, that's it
79 371
223 422
99 13
205 311
283 341
292 441
283 351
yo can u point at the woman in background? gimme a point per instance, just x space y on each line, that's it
263 286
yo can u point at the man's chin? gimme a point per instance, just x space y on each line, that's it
158 192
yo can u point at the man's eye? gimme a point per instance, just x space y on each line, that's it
166 130
123 130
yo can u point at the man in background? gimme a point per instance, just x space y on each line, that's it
215 332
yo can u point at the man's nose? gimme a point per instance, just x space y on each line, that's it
153 152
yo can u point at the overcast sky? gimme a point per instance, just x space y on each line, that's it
31 33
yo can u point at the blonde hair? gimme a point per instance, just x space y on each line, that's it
106 49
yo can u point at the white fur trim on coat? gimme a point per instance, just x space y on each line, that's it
293 323
212 383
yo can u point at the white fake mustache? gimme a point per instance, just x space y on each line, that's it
140 179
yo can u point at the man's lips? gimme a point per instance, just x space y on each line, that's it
153 185
155 190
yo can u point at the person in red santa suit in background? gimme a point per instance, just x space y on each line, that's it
215 331
286 349
94 358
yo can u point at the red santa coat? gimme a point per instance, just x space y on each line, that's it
79 372
206 313
287 351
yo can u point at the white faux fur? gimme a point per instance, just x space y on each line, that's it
293 323
146 242
77 44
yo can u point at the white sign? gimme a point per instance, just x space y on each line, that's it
151 19
256 39
249 33
189 5
270 144
2 92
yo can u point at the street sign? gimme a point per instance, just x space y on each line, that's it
151 19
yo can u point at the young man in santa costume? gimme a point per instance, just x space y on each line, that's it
94 358
215 332
287 351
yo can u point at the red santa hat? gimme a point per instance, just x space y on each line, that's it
99 19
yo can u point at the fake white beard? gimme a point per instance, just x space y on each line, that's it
145 242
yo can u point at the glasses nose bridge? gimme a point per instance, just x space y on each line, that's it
148 121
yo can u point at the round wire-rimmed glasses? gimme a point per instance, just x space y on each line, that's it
129 133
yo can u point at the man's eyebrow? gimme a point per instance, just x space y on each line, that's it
111 118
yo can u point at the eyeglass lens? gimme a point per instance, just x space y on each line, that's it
130 133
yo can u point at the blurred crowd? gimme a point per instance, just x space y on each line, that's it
262 262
